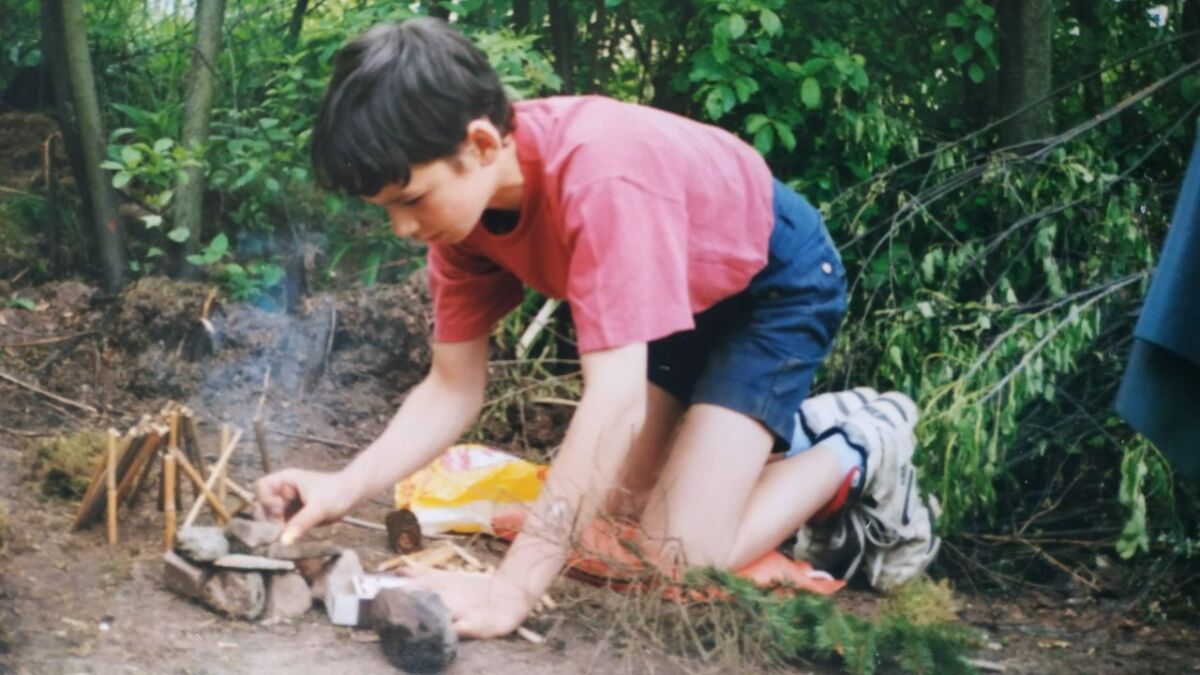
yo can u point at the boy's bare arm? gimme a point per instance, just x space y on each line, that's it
433 416
609 416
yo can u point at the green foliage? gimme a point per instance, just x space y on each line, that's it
1144 474
803 627
995 288
242 281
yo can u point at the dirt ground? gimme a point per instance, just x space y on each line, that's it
339 368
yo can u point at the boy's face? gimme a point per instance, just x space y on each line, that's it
444 199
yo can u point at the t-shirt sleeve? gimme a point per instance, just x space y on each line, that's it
628 278
470 293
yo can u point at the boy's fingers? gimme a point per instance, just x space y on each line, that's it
299 524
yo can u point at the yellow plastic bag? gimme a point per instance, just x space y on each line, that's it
458 491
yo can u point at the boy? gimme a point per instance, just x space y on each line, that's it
704 295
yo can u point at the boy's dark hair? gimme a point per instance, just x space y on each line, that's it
402 94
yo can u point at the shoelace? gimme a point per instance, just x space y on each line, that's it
866 525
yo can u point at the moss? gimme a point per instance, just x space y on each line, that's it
64 464
923 602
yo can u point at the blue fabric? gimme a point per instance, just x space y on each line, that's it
757 351
1160 392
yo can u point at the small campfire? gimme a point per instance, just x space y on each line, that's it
239 567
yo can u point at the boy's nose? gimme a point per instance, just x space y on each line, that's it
403 225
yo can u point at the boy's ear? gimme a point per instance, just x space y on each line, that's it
483 141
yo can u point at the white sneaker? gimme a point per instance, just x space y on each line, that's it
825 411
889 525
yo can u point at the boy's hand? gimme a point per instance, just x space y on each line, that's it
482 605
304 499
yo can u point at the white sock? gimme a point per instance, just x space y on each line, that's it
848 458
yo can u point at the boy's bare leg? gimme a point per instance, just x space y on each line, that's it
787 494
718 502
644 462
695 511
647 455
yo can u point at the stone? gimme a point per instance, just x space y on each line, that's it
345 565
403 531
348 598
304 550
255 563
201 544
415 629
236 594
183 578
252 536
288 596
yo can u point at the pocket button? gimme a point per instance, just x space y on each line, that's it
826 267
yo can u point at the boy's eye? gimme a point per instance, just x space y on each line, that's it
413 201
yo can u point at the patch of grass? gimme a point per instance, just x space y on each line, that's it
923 602
64 464
752 628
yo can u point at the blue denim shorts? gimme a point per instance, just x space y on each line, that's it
756 351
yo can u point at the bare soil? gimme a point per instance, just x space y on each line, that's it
339 368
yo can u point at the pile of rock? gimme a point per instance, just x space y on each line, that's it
243 571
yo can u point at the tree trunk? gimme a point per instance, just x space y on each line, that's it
55 59
91 141
1025 69
562 34
521 13
298 12
197 112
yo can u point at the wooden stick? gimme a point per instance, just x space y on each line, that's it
466 556
144 466
111 486
260 438
198 481
89 497
169 491
530 636
238 491
46 341
223 483
366 524
213 475
173 451
314 439
431 557
90 507
53 397
191 437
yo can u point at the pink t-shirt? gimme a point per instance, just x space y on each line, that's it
637 217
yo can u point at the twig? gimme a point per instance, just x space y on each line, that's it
529 635
260 439
111 485
198 481
535 327
359 522
27 434
53 397
169 478
314 439
46 341
213 475
329 339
